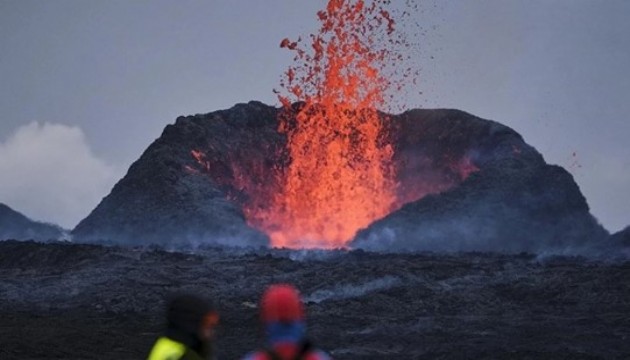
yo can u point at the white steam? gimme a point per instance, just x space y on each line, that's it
353 290
49 173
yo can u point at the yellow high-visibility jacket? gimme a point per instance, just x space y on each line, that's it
168 349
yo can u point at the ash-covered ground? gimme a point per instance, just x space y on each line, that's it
72 301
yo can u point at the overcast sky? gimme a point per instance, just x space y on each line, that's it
86 86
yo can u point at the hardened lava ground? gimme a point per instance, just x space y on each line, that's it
91 302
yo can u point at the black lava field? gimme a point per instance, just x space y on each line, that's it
70 301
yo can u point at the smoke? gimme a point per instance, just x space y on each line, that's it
49 173
353 290
239 242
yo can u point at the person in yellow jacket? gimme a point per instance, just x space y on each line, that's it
190 331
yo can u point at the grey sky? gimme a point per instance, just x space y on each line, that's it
116 72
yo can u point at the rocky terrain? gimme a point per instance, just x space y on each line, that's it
514 202
14 225
480 187
499 258
622 237
509 206
159 201
72 301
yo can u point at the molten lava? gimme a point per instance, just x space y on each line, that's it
337 173
340 177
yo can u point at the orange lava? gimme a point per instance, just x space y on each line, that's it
337 173
340 177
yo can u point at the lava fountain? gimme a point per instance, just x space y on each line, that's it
340 176
338 168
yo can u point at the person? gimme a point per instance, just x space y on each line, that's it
191 323
283 320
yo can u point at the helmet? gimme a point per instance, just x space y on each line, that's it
281 303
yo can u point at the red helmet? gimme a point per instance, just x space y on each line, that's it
281 302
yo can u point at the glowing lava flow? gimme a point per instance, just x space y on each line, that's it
340 177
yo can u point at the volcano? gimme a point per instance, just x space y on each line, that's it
15 225
463 183
328 165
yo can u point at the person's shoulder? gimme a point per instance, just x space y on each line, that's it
314 354
317 354
166 348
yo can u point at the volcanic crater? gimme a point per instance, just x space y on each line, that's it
461 183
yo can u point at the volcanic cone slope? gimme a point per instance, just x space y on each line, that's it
468 184
163 200
511 200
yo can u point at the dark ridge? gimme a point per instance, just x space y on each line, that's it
622 237
14 225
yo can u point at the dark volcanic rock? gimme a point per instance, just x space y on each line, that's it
622 237
509 206
14 225
69 301
163 200
437 149
481 187
515 201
